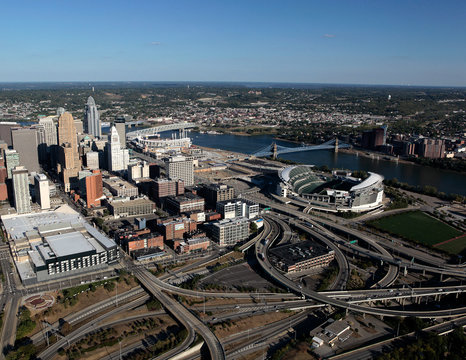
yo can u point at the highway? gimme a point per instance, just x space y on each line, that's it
447 270
125 301
76 335
284 281
155 286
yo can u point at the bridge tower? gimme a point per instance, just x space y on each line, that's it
274 151
336 145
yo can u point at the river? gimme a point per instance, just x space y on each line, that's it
443 180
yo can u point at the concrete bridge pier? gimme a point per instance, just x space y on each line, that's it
405 271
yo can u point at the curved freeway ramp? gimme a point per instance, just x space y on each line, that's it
284 281
155 286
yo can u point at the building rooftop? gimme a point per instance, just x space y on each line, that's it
290 254
18 225
68 244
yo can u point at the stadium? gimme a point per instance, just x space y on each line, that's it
339 192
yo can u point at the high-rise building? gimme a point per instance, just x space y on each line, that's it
121 128
5 131
42 191
431 148
91 188
50 128
21 190
372 139
60 111
138 170
162 188
92 160
25 143
11 161
68 156
118 158
213 193
92 119
178 167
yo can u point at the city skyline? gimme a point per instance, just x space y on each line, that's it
397 43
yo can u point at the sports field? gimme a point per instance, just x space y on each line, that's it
421 228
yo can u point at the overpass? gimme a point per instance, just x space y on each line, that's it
158 129
265 264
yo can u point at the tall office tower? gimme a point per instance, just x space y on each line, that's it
91 188
121 128
50 129
60 111
42 191
11 161
118 158
68 157
178 167
92 160
92 118
21 190
5 131
25 143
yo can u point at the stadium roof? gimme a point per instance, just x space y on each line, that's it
370 181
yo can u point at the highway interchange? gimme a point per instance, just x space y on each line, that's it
278 229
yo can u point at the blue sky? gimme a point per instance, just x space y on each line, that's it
357 42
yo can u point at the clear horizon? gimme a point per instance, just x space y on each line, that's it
401 43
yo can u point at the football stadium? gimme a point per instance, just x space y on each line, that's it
339 192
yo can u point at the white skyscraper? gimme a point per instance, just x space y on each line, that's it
21 190
42 191
50 127
118 158
92 119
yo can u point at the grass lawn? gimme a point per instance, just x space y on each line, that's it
418 227
454 246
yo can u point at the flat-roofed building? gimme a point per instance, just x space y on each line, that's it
234 208
302 256
185 203
228 232
214 193
176 228
124 207
144 241
92 160
121 188
21 190
42 191
55 244
179 167
191 245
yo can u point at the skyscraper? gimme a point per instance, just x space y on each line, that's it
11 161
121 128
118 158
42 191
21 190
68 157
25 143
50 129
92 118
178 167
